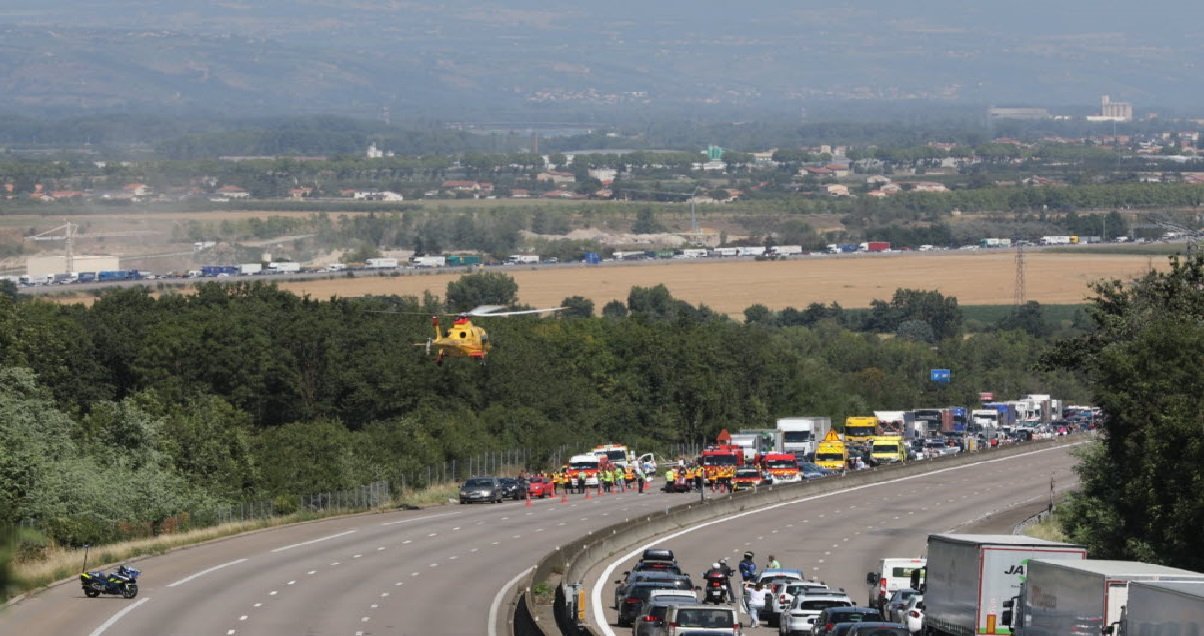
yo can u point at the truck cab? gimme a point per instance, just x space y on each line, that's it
888 449
832 452
783 468
860 430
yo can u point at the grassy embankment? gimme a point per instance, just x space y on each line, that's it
54 563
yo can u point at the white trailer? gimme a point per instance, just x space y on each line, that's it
428 261
692 252
523 259
725 251
1164 609
250 269
902 423
1069 597
970 577
800 435
786 250
284 267
381 263
751 251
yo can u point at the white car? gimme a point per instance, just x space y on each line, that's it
913 614
784 595
805 608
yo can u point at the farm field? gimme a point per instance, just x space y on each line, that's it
731 286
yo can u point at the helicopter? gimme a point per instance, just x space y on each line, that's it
466 340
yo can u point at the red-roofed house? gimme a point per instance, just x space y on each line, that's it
233 192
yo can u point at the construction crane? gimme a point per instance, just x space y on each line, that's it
69 234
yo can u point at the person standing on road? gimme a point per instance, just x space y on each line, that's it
755 603
640 478
748 568
581 482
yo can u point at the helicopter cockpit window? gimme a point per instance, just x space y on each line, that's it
461 336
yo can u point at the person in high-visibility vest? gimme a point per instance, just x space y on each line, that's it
617 476
604 477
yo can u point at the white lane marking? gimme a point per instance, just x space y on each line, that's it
231 632
243 617
596 590
433 534
356 556
394 523
380 548
273 593
407 541
312 572
116 617
257 605
474 550
292 582
501 594
204 572
313 541
364 619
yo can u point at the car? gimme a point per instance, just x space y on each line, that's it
702 620
658 554
805 608
913 614
784 593
540 487
651 621
513 488
661 566
874 629
639 593
898 600
748 478
811 470
481 489
829 618
675 581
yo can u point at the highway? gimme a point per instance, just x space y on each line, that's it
436 571
838 537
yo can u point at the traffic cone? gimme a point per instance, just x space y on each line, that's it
587 493
564 497
528 504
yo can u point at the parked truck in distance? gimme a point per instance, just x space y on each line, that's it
284 267
801 435
457 260
428 261
969 577
860 430
250 269
381 263
935 422
524 259
1159 608
1069 597
900 423
874 246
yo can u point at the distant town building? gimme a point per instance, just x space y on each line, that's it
374 152
1113 111
1018 113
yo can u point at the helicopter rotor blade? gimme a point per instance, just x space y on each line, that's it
494 311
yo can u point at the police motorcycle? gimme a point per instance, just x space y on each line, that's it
716 586
123 581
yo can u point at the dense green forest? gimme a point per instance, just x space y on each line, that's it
136 408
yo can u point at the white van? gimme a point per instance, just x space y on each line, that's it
893 574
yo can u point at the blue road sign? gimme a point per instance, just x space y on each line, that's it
940 375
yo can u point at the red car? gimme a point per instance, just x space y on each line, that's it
540 487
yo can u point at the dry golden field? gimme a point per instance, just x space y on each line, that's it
731 286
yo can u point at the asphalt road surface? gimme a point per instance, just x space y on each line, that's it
435 571
838 537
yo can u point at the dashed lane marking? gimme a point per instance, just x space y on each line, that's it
313 541
120 614
204 572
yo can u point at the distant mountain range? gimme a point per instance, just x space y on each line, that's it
526 60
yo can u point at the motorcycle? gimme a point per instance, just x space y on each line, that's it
716 592
123 581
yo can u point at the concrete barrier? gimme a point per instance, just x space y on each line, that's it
568 563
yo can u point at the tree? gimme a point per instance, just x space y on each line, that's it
614 309
577 307
8 289
1028 318
1141 493
645 223
758 315
486 288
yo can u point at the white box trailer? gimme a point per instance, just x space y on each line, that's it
381 263
285 267
1069 597
970 576
428 261
751 251
526 259
1164 608
250 269
786 250
801 435
902 423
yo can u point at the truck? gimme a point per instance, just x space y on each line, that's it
457 260
874 246
786 250
525 259
969 577
1005 418
888 449
960 419
900 423
86 277
1069 597
1164 607
801 434
860 430
381 263
936 422
118 274
751 251
720 461
1056 240
768 440
284 267
250 269
211 271
994 242
428 261
725 251
691 252
842 248
782 467
832 453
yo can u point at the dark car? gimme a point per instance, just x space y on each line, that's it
672 582
651 619
658 554
637 595
481 489
811 470
872 629
828 619
661 566
513 488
